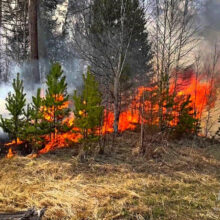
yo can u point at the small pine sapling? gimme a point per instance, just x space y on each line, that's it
36 126
56 105
88 110
187 123
15 104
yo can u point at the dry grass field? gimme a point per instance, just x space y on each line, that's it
181 183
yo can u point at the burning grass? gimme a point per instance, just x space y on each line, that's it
183 183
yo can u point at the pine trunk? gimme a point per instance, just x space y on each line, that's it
33 32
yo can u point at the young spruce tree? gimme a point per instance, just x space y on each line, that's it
88 110
15 104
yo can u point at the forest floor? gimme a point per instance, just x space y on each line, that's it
181 182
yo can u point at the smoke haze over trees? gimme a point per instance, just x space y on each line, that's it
127 43
56 24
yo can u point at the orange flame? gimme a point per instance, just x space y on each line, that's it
60 141
49 112
130 118
197 89
14 142
10 154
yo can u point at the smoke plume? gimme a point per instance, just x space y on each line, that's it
210 20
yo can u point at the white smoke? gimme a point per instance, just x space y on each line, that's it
209 20
4 90
72 66
73 69
7 88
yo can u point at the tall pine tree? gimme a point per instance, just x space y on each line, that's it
107 17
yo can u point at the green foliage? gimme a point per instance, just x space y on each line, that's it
88 110
36 107
56 101
36 126
187 123
177 115
42 116
15 104
106 18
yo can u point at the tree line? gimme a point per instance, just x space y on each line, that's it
49 115
126 43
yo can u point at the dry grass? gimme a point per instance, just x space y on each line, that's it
182 184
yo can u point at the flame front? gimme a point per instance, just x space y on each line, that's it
194 87
61 140
14 142
130 118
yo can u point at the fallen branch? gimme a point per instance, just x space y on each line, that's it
30 214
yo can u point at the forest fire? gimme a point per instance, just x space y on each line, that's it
197 89
18 142
61 140
58 140
129 119
10 152
111 108
49 112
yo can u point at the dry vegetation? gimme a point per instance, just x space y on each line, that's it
181 182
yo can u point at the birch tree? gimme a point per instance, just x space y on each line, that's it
174 30
108 35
